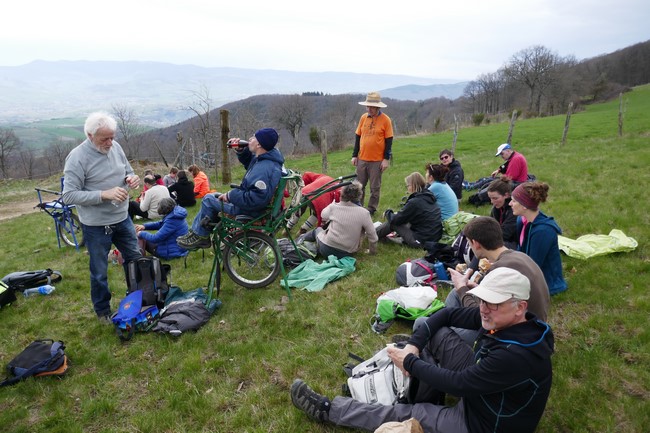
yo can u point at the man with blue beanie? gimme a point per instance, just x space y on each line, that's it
264 167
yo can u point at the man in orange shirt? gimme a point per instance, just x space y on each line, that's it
372 148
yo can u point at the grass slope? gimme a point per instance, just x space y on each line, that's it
234 374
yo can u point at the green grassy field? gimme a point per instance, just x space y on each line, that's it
234 374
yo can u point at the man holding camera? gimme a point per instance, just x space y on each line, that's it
264 167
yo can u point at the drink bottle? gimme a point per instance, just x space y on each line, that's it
241 144
43 290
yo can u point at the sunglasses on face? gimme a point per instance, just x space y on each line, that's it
444 157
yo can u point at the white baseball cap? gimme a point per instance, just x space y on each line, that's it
502 284
503 147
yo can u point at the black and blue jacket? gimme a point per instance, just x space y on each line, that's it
507 387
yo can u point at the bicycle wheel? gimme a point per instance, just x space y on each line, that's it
69 223
251 259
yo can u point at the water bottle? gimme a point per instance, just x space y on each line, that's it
441 272
43 290
117 203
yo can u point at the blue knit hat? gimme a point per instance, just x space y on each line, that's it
267 138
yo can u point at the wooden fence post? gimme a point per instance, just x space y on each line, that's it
453 144
323 149
512 126
620 114
566 123
225 158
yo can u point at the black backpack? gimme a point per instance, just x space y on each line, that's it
150 276
40 358
19 281
7 295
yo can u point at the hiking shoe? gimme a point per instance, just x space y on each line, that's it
316 406
105 319
466 185
191 241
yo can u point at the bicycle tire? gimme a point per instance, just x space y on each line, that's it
66 235
251 259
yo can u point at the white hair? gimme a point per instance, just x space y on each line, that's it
99 120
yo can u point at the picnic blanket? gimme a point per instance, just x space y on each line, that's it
312 276
588 246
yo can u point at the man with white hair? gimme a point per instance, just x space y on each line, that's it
503 383
97 177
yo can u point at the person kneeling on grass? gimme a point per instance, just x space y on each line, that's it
173 224
503 384
264 168
346 221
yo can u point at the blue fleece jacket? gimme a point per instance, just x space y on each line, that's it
172 225
260 182
540 244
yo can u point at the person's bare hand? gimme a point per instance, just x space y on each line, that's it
398 355
354 161
457 278
384 165
223 198
139 228
133 181
117 194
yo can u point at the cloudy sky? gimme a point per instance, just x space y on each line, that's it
455 39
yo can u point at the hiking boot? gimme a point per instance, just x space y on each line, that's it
316 406
191 241
105 319
466 185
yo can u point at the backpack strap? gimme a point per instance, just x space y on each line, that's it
428 280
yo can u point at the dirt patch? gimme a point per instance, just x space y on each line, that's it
13 210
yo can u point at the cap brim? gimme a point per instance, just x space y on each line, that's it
373 104
489 295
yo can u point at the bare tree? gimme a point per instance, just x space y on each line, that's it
128 129
205 125
9 143
27 159
291 113
57 151
534 67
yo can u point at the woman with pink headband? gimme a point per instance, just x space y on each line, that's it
537 233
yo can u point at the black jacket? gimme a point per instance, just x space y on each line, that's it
184 192
507 388
423 213
455 177
508 222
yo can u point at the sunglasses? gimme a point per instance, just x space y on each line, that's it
444 157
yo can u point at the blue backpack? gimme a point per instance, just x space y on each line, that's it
132 316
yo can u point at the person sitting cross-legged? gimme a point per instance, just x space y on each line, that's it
264 167
502 384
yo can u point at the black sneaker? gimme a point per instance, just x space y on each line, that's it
105 319
316 406
192 241
399 338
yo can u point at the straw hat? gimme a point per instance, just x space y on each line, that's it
373 100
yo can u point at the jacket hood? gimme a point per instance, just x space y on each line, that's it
533 335
178 212
543 219
272 155
425 195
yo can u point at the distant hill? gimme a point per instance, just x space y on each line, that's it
159 92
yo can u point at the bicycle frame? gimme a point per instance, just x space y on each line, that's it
226 231
66 222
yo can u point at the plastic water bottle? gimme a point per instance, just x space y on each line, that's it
43 290
116 203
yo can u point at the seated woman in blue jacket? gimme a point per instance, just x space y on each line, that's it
537 233
419 222
163 244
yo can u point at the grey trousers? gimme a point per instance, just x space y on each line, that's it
370 171
452 353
